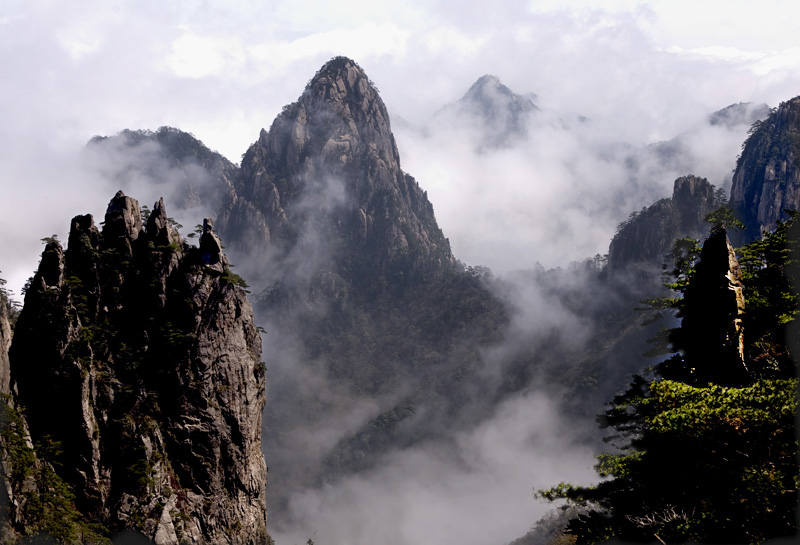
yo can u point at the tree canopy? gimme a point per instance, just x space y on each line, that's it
706 449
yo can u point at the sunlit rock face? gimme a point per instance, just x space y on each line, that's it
5 343
138 356
767 177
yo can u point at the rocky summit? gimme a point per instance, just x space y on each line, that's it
326 180
135 369
650 233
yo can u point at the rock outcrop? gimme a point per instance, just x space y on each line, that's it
5 343
136 359
647 235
767 177
712 332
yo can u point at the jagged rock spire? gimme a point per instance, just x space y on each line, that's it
123 217
144 365
712 329
159 229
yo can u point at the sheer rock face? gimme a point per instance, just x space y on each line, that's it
712 327
767 177
5 343
327 178
144 362
647 236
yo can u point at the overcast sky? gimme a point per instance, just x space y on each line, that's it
222 70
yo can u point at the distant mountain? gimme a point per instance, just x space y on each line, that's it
688 151
184 170
499 115
767 177
742 113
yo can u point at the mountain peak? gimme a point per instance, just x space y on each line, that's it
500 115
329 164
340 78
338 66
487 84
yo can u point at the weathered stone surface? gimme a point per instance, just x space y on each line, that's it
650 234
211 248
144 363
767 177
123 217
159 229
5 343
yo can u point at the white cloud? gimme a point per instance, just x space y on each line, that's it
195 56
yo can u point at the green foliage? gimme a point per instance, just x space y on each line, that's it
6 298
50 240
724 217
708 463
767 267
232 278
49 507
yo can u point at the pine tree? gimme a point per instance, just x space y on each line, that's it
706 448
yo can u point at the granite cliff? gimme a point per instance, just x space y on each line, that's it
5 342
767 177
135 369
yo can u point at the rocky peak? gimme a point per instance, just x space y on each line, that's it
142 363
187 172
327 173
211 247
491 95
767 176
647 235
159 229
123 217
